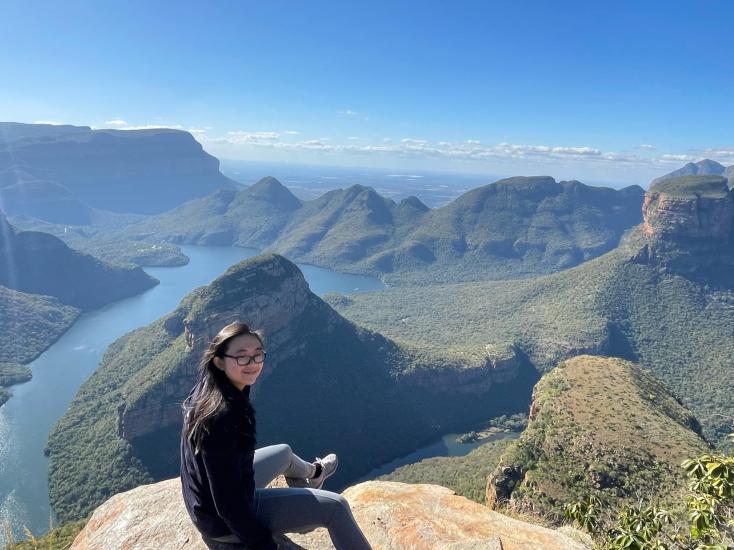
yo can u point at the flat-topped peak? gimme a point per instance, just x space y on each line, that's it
702 185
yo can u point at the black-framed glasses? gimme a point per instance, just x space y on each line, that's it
244 360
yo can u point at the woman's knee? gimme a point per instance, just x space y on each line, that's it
283 448
335 503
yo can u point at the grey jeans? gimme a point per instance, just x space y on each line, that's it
295 510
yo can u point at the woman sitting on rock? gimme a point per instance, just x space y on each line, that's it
224 476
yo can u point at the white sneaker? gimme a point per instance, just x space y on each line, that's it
328 466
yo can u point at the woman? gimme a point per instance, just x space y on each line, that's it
223 477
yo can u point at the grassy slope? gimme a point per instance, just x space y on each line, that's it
59 538
680 329
602 426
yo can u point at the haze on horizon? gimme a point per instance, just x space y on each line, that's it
615 92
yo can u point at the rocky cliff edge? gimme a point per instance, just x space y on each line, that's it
392 515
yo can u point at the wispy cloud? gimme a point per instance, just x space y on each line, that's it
244 136
51 122
352 113
677 158
723 155
465 150
462 150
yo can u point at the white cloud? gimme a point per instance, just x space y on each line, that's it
722 154
291 133
116 122
242 136
647 147
352 113
677 158
51 122
464 150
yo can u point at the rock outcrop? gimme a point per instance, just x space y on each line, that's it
689 226
393 516
697 207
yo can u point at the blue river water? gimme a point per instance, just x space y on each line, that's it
35 407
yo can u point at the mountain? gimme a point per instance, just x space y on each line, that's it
510 228
517 227
328 385
598 426
344 227
252 217
39 263
649 300
57 172
703 167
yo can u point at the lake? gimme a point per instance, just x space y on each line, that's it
30 414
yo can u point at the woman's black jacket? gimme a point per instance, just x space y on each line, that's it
218 482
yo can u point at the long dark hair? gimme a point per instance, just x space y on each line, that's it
208 400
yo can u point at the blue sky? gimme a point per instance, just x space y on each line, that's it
618 92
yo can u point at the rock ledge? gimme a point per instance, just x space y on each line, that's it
394 516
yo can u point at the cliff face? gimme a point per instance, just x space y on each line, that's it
393 516
689 207
140 171
689 225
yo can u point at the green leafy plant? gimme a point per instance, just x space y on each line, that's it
584 514
710 514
